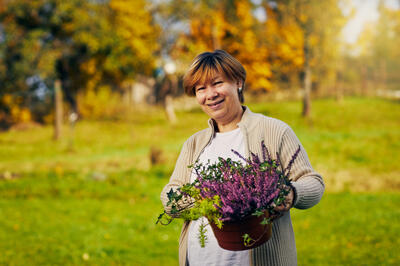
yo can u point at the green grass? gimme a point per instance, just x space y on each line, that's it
349 229
56 220
96 202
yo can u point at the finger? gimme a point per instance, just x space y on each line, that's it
281 208
276 216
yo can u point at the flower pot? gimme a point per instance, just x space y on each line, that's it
230 236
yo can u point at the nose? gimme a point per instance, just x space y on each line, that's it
211 92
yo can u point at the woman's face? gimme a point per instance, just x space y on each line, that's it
219 98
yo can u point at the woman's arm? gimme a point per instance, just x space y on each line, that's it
308 184
178 178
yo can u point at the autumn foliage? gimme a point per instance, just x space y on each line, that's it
95 45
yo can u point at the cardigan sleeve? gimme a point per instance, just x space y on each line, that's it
309 185
178 177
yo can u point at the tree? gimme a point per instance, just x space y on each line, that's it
320 23
376 62
285 44
384 49
82 43
228 25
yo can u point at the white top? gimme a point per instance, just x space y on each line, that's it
212 254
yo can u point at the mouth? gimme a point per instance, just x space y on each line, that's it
215 105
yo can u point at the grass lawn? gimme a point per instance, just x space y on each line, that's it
73 220
96 202
349 229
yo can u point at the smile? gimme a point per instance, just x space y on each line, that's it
216 105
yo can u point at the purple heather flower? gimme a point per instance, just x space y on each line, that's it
243 189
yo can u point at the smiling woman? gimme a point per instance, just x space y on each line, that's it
220 101
217 81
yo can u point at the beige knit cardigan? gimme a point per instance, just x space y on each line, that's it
279 138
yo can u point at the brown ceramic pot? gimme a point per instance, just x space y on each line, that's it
230 236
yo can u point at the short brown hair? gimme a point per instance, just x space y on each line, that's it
207 65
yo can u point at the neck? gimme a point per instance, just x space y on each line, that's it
231 122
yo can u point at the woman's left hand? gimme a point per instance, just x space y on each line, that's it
287 203
285 206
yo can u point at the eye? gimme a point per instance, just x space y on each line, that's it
218 82
199 88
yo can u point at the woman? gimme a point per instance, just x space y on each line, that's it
217 81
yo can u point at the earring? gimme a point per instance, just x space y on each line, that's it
240 89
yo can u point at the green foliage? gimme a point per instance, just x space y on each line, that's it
85 44
202 234
200 207
247 240
91 104
266 221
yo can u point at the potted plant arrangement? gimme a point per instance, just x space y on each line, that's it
237 199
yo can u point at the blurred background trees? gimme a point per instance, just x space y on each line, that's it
88 45
101 50
379 53
319 24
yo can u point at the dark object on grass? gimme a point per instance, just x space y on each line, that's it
156 156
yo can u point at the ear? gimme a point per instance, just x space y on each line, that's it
239 83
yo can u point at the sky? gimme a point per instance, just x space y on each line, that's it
366 11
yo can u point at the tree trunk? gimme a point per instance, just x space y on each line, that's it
383 75
364 81
339 88
306 80
215 39
169 109
58 112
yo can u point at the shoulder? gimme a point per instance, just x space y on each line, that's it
197 139
258 121
198 135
